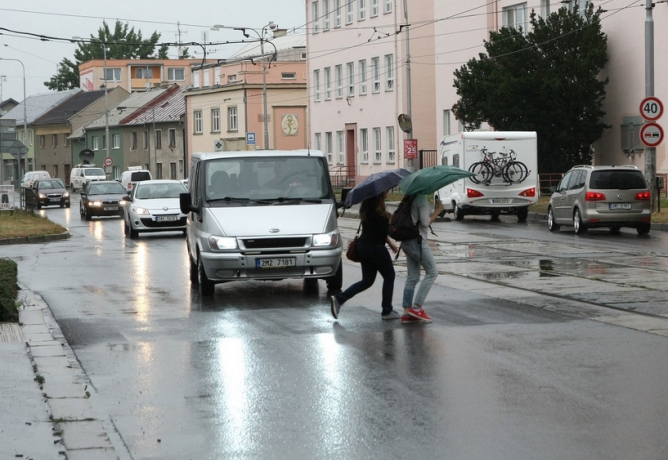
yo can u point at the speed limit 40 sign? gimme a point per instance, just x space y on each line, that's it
651 108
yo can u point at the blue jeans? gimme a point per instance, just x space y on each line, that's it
415 260
374 259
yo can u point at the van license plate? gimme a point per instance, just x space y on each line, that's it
166 218
275 263
500 201
620 205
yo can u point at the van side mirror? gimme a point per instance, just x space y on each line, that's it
185 202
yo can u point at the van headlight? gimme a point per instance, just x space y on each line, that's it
222 242
326 239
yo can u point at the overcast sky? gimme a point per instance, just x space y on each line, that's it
69 18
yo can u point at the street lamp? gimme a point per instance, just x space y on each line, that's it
260 36
106 99
25 112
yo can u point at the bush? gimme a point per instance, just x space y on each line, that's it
8 291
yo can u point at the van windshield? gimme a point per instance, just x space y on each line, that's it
267 179
93 172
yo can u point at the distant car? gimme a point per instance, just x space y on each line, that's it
51 192
82 175
102 198
601 196
154 206
131 177
31 176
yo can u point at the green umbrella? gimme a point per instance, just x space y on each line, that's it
427 181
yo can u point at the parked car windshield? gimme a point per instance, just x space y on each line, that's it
156 191
104 189
269 179
93 172
617 179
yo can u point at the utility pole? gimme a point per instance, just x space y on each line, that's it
409 109
650 152
2 78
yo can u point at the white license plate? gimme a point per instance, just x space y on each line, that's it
500 201
620 205
166 218
275 263
54 199
111 208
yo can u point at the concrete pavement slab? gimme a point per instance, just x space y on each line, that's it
84 435
92 454
638 322
43 351
33 337
32 317
71 409
54 389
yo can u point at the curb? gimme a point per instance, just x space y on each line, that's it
35 239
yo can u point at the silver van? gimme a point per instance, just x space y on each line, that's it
262 215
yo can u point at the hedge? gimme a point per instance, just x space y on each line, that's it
8 291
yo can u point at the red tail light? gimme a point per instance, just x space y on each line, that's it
529 192
473 193
594 196
643 196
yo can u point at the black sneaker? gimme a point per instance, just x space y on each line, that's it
336 307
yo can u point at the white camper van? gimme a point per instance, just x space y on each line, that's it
506 167
261 215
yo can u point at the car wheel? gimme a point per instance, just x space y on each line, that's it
615 230
578 226
194 276
67 205
495 216
643 229
81 212
206 286
551 224
87 214
457 211
335 282
126 229
133 233
310 286
522 214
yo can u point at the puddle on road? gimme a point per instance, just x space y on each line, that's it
501 276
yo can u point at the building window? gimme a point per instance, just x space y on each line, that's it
388 6
181 167
316 85
377 152
364 144
338 75
349 12
325 14
196 83
133 140
172 137
113 74
144 139
328 83
198 121
318 141
315 17
206 78
31 136
339 147
389 72
233 119
96 143
176 74
288 76
42 141
158 138
362 76
66 141
158 167
446 122
172 171
232 78
391 145
544 8
54 140
215 120
375 74
374 8
337 13
361 10
515 16
144 72
351 79
328 147
116 141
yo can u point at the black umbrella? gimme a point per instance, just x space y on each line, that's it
375 184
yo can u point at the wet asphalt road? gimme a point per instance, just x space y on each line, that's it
263 371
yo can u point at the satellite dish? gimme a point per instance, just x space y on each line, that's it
86 155
405 123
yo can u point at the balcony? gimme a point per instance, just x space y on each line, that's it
140 83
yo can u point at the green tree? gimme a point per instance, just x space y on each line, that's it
122 43
547 80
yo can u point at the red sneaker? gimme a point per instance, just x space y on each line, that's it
420 315
408 319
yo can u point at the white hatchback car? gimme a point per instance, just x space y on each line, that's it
153 206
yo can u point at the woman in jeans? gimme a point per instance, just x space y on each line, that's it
374 257
418 254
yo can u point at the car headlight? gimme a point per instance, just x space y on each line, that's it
326 239
140 210
222 242
95 204
66 195
42 196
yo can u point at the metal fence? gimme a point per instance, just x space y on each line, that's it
342 176
427 158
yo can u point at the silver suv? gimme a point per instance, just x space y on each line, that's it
601 196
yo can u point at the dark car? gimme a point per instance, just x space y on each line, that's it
50 192
102 198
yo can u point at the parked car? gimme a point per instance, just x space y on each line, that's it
102 198
154 206
50 192
30 177
81 175
131 177
601 196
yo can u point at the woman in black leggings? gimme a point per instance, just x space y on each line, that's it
374 257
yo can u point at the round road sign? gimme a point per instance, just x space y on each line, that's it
651 134
108 161
651 108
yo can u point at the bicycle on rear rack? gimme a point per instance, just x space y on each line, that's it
504 166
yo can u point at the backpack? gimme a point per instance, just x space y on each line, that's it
402 227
